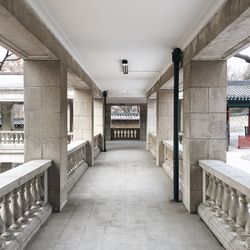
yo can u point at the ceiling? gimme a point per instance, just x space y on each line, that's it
100 33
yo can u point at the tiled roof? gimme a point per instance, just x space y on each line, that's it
238 91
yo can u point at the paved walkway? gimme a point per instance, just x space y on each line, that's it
122 203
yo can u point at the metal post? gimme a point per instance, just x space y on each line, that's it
104 94
176 58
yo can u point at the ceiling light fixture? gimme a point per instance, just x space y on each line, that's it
125 66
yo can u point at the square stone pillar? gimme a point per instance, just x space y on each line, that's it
45 130
98 117
7 114
204 135
143 122
164 121
84 119
151 118
108 122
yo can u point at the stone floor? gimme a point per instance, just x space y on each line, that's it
122 203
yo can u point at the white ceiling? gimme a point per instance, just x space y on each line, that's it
100 33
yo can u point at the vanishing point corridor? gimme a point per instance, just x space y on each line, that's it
122 203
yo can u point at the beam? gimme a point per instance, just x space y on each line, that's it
24 32
225 34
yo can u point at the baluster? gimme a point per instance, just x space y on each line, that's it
121 133
213 194
2 228
242 217
29 199
40 190
208 190
128 133
12 138
7 218
16 211
125 134
21 138
233 210
1 138
118 134
226 201
23 205
34 193
7 138
219 199
135 134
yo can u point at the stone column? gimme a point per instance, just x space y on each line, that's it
108 122
164 121
98 117
45 130
204 123
151 118
143 122
7 113
84 120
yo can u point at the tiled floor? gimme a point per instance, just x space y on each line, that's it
122 203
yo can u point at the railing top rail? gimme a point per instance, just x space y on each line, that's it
18 176
11 132
75 145
170 144
230 175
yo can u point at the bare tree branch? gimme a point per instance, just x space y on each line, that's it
243 57
8 59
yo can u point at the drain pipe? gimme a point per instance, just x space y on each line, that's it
176 58
104 95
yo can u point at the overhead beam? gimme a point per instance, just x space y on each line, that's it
225 34
25 33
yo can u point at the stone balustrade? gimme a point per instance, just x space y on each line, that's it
168 159
12 137
97 145
23 202
225 205
125 134
76 162
152 143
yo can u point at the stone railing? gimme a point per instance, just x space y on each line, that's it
168 159
125 134
12 137
23 202
225 206
97 145
152 143
76 162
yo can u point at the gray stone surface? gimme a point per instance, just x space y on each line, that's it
122 203
45 131
204 123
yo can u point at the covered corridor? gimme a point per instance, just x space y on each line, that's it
123 203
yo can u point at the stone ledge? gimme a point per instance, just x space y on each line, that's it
22 238
221 231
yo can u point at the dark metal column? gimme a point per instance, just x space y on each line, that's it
104 94
176 58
